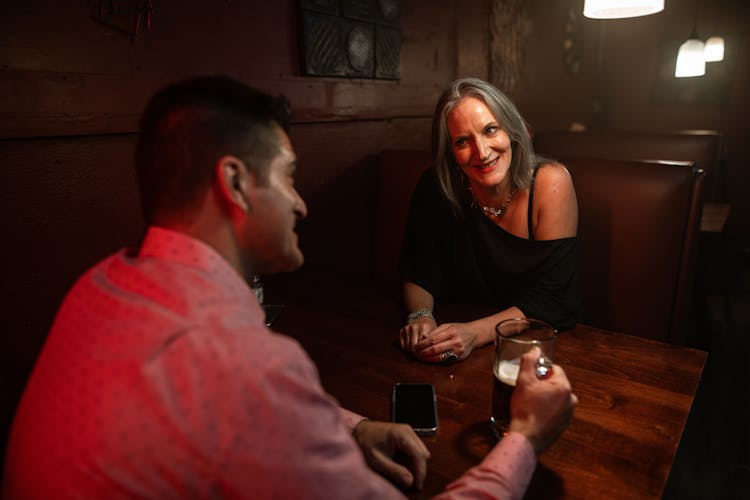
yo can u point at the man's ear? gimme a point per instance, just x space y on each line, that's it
233 182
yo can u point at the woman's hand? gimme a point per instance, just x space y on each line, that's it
418 329
435 346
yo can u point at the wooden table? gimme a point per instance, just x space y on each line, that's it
634 394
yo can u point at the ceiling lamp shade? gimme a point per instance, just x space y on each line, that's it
714 50
615 9
690 59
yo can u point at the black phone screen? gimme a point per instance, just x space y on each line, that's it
414 404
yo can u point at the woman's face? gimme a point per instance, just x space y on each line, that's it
481 148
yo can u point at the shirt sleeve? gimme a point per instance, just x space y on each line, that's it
504 473
350 419
291 439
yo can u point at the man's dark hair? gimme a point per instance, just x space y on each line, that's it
189 125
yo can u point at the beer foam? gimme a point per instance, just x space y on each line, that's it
506 371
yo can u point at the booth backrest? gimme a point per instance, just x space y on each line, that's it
398 173
637 238
702 147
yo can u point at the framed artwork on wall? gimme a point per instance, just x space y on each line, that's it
129 17
350 38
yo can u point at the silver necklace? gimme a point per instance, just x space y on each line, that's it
496 212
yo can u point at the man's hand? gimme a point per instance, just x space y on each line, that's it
382 441
541 409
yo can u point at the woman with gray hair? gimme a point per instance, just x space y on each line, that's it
490 224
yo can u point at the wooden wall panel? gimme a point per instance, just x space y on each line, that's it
64 74
64 204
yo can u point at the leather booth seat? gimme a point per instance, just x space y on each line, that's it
702 147
639 224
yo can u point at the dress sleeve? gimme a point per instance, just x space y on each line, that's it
421 257
553 294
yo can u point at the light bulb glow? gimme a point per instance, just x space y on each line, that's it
690 59
615 9
714 50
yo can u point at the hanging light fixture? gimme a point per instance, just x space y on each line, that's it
714 50
615 9
691 60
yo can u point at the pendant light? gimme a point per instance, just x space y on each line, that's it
615 9
714 50
691 60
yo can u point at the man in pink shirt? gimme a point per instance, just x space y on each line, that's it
159 378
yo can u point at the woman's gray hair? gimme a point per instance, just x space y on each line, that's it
450 176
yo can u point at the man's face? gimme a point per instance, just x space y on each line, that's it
274 210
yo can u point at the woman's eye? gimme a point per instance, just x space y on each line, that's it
460 142
491 130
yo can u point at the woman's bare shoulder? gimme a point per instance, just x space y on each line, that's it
553 177
555 204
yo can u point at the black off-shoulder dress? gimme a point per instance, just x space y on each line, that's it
471 260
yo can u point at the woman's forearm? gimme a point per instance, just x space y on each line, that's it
485 327
416 297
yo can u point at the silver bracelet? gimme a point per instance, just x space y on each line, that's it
419 313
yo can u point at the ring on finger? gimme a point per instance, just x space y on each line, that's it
449 356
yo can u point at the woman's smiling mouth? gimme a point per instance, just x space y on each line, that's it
487 166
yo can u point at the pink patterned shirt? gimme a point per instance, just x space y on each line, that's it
160 380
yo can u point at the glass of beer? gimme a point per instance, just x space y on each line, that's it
513 338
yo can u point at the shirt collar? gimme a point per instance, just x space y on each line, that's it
179 247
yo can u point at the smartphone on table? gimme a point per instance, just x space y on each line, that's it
415 404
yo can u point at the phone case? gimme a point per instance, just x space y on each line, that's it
416 405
